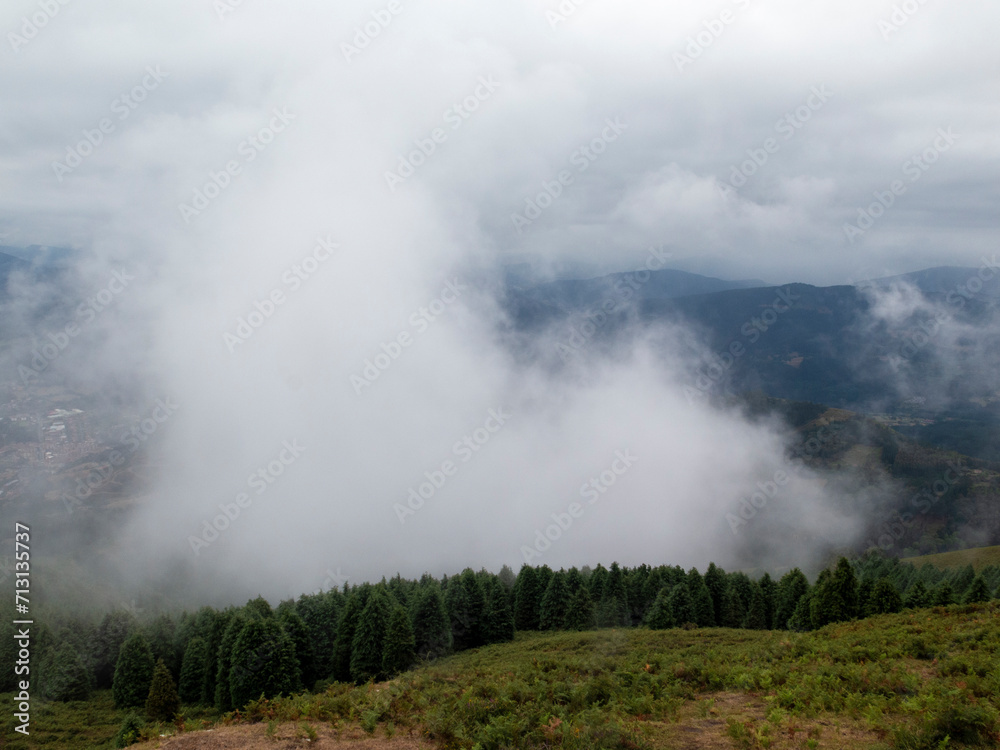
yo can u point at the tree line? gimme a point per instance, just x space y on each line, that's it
226 658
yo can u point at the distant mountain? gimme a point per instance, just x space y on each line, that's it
940 280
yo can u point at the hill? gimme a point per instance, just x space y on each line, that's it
920 679
978 558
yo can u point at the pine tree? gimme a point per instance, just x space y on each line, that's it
555 602
917 596
635 586
456 603
320 613
791 588
224 662
507 578
845 586
431 630
498 617
962 580
680 605
369 638
659 617
297 631
715 581
162 703
769 590
115 628
476 598
733 611
258 607
579 606
527 599
943 595
399 651
613 611
884 599
63 676
160 634
977 592
216 633
194 670
702 607
801 618
263 662
596 581
756 616
133 672
347 627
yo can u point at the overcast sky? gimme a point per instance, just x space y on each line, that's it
235 142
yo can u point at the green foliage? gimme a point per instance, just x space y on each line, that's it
258 607
943 595
680 605
369 638
702 607
431 630
347 628
884 599
162 703
194 671
917 596
297 631
527 599
580 613
659 616
114 629
977 592
791 588
613 609
715 581
133 672
63 675
756 616
472 635
555 603
399 651
498 616
320 613
224 663
130 731
262 662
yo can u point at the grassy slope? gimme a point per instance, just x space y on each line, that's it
902 680
979 558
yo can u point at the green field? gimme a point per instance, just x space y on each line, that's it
926 678
978 557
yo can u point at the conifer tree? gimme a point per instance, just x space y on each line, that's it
369 638
498 617
456 603
961 581
297 631
258 607
263 662
115 628
133 672
596 581
943 595
399 650
977 592
579 606
680 605
756 616
917 596
769 590
702 608
715 581
476 598
613 611
162 703
555 603
431 630
801 618
216 633
884 598
320 613
791 588
659 617
733 611
527 599
224 662
63 676
346 629
194 668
